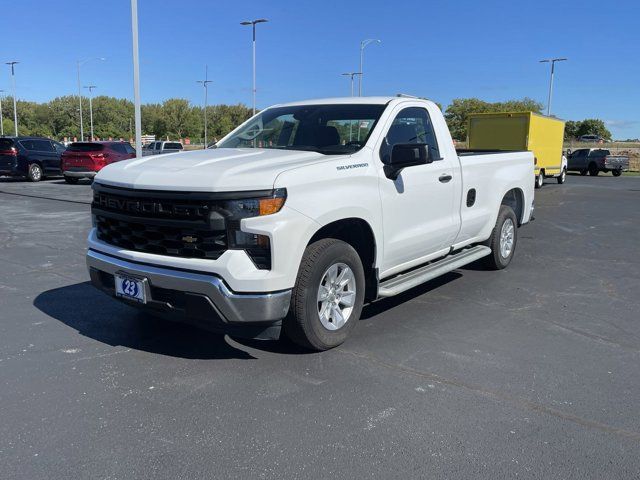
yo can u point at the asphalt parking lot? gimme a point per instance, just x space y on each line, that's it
531 372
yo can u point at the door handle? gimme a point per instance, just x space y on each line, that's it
445 177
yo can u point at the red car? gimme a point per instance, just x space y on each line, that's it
85 159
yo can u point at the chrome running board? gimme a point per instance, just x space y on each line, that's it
405 281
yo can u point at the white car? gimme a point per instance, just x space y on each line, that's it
301 215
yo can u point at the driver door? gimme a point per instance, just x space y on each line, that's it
418 208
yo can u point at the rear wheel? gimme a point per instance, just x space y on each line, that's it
71 180
503 239
34 173
617 172
593 170
540 179
327 299
562 177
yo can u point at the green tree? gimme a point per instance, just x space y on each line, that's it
593 126
571 129
63 117
181 119
153 121
221 119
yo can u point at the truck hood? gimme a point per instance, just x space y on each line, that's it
211 170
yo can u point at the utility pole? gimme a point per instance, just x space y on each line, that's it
90 88
351 74
205 84
13 86
552 61
253 25
363 45
136 77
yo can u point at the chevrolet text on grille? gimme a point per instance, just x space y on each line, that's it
150 206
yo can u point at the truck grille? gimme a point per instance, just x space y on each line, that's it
150 237
163 223
178 224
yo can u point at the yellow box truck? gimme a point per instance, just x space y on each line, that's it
522 131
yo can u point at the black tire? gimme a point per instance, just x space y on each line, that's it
540 179
35 173
617 172
71 180
584 172
303 325
562 177
495 260
593 170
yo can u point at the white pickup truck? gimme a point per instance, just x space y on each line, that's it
301 215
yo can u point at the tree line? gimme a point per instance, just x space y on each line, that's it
113 117
177 118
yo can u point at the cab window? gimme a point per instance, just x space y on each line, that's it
411 125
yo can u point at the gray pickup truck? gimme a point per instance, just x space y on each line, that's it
596 160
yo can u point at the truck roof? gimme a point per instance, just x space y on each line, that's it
351 100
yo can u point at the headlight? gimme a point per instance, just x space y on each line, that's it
258 247
255 207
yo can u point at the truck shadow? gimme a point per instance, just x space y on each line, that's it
95 315
378 307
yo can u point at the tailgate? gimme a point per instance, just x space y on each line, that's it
616 161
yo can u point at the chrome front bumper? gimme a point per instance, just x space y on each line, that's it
200 299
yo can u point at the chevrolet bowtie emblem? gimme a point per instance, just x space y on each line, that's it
189 239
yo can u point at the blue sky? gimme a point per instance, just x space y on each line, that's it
436 49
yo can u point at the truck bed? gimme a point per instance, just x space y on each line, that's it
464 152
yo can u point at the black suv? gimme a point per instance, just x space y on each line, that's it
30 157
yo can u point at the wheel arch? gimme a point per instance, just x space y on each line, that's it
359 234
514 198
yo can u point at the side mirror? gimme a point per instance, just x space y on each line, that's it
405 155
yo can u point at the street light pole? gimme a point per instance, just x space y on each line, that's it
552 61
136 77
90 88
363 45
79 63
351 74
13 87
205 84
253 25
1 116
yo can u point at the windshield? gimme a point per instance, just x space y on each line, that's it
172 146
328 129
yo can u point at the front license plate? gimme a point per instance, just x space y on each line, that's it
130 288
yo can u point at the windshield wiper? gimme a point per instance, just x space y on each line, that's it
304 148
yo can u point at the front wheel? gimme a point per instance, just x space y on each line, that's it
34 173
617 172
327 299
503 239
562 177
